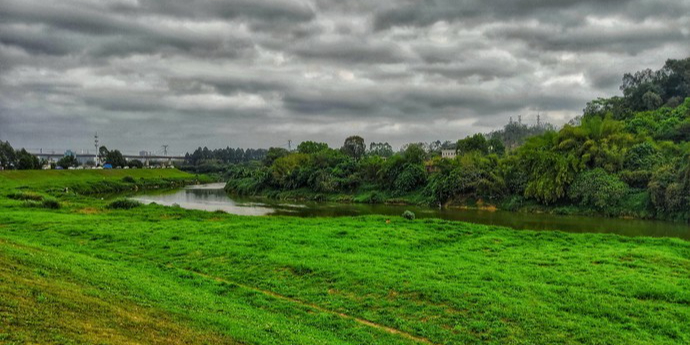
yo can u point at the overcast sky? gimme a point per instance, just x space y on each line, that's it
256 73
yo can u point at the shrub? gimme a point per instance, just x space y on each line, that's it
642 156
25 196
409 215
123 204
637 179
128 179
513 203
50 204
370 198
598 189
412 177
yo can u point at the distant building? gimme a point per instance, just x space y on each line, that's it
144 153
450 154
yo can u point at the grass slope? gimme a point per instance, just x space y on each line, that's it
328 281
90 181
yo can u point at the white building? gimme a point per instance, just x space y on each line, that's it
450 154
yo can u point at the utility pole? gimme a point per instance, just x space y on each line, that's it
289 144
98 153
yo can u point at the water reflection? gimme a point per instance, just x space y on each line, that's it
211 197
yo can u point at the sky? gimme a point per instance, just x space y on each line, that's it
257 73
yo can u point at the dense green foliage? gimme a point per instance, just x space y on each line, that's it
123 204
87 274
112 157
618 150
204 160
67 162
17 159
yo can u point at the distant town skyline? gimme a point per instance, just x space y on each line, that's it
257 73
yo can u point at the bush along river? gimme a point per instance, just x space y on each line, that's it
212 197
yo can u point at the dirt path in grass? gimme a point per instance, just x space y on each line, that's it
318 308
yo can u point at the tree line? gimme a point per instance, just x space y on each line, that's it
17 159
11 159
204 160
625 156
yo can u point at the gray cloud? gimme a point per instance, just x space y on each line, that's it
570 12
259 72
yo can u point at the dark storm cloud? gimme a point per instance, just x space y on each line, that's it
267 10
37 41
422 13
260 72
622 39
481 69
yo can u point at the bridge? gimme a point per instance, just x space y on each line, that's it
84 157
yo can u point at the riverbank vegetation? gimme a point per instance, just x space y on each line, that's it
625 156
88 273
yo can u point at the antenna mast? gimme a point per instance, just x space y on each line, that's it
98 153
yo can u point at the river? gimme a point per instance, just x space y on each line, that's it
212 197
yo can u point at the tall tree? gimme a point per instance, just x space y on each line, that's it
354 147
7 155
380 149
309 147
473 143
115 159
68 161
27 161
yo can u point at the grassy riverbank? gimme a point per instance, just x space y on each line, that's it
94 181
85 273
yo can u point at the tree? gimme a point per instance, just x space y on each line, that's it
415 154
67 162
7 155
648 90
651 100
677 79
604 106
273 154
285 169
473 143
548 173
597 189
663 181
27 161
354 147
644 156
115 158
103 152
135 163
380 149
410 178
496 146
310 147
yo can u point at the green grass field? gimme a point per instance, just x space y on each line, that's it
87 274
